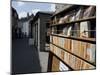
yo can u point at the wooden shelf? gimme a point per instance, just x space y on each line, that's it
62 60
77 21
72 50
71 7
89 40
73 54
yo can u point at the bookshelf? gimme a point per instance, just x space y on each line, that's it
73 38
77 21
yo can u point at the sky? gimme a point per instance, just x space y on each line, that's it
23 8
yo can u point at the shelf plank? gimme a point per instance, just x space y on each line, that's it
77 21
73 54
89 40
62 60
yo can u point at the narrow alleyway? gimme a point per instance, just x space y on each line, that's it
26 59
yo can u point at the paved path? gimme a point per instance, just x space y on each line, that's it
26 59
43 61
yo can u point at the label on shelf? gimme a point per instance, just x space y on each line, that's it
63 67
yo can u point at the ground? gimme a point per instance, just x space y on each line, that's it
27 59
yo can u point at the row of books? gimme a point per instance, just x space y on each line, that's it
81 13
81 29
71 60
84 50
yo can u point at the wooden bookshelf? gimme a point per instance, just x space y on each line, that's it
70 68
77 21
68 64
89 40
69 51
74 49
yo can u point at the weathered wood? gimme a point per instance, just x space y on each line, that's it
77 21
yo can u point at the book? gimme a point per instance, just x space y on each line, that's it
90 11
85 26
91 53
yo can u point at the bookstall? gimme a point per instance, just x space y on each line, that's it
73 39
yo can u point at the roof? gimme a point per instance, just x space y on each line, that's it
45 12
42 12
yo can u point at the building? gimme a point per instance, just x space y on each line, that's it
39 30
14 21
24 25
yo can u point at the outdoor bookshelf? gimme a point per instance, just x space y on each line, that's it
77 21
69 43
